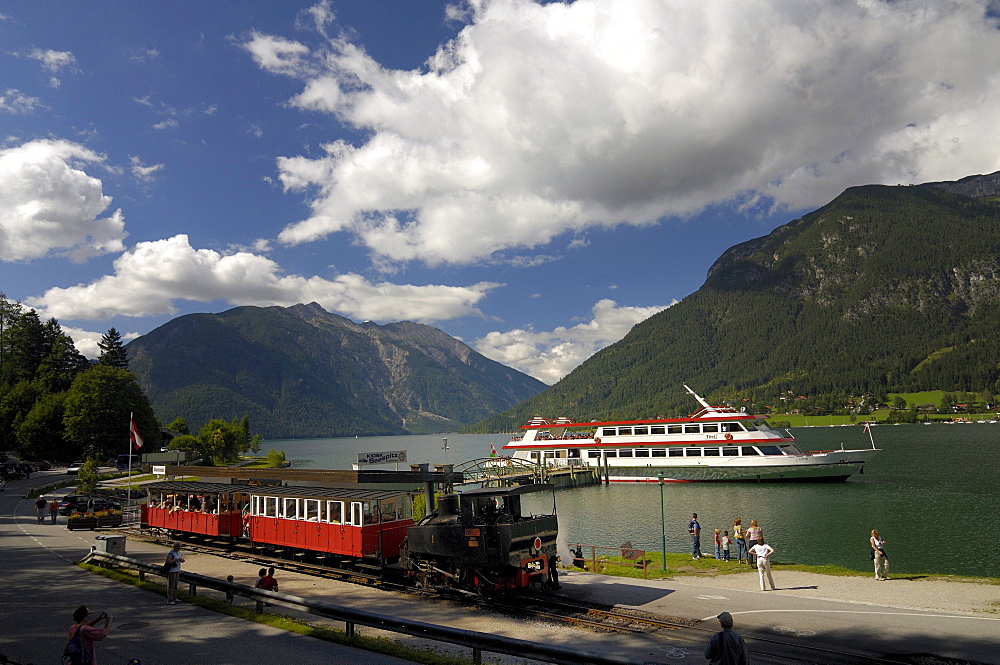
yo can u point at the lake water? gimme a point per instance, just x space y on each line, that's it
932 493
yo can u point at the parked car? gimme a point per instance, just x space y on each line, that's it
74 503
41 465
98 503
74 468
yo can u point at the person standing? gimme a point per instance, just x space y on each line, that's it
694 528
174 560
53 509
87 631
753 534
717 537
763 553
40 507
726 647
725 540
741 542
879 556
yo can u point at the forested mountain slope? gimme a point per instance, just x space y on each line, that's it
304 372
883 289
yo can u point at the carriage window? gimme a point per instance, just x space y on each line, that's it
657 429
388 509
711 452
594 454
624 430
405 508
749 450
625 452
694 452
713 427
311 510
371 515
659 452
271 506
675 429
692 429
356 517
335 512
730 452
640 430
290 509
642 452
676 452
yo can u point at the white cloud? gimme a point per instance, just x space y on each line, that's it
49 205
537 119
15 101
549 356
169 123
149 278
51 60
142 172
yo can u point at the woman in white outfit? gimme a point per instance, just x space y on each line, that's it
763 553
879 556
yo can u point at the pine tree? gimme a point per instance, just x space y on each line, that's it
113 353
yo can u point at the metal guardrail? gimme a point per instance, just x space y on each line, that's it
476 641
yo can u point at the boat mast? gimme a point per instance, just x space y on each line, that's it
697 397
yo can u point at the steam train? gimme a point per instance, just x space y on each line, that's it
478 541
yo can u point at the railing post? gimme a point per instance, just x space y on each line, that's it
477 656
260 607
349 629
193 589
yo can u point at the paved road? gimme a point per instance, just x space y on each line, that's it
42 587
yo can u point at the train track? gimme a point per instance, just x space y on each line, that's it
786 647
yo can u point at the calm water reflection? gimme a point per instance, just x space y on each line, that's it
932 493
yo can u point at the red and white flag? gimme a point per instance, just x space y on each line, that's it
493 450
133 434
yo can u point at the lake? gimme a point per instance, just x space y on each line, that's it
932 493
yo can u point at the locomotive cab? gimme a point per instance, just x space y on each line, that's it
482 540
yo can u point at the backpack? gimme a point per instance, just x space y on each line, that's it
76 652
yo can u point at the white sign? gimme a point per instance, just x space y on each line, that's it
159 470
388 457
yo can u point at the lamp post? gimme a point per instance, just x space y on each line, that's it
663 520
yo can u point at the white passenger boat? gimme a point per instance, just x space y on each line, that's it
715 443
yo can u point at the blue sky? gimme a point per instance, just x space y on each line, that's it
533 179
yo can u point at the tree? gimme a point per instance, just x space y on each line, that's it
275 458
87 477
113 353
97 412
223 442
179 425
898 402
188 444
40 432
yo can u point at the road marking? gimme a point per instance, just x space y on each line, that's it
791 631
673 652
925 614
711 598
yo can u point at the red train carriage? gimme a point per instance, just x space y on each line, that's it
346 522
208 509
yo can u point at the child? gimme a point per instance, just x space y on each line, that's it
725 545
718 544
230 595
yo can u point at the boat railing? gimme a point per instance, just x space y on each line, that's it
565 462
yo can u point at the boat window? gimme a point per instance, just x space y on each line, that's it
534 455
657 429
694 452
335 512
625 452
731 427
730 452
623 431
692 429
611 453
711 452
749 450
640 430
609 431
710 427
659 452
271 506
594 454
551 454
676 452
789 450
764 427
675 429
290 509
642 452
311 509
769 450
574 453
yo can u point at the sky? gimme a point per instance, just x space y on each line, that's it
531 178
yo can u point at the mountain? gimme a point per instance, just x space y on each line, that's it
883 289
303 372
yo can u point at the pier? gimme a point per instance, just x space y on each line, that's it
508 471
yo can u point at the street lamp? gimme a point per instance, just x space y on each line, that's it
663 520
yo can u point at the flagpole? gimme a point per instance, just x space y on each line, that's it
128 500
